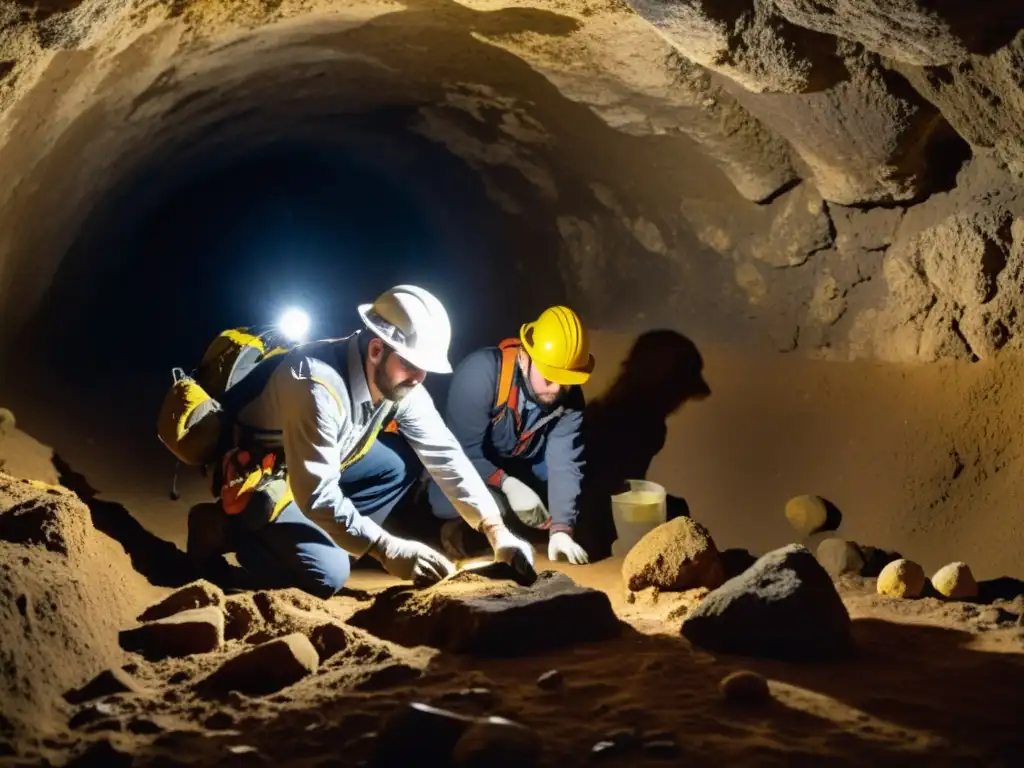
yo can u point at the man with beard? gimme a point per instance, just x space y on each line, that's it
517 410
308 483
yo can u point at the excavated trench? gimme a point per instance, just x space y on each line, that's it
823 202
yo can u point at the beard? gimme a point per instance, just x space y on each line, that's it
393 391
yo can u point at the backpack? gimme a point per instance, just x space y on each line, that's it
196 418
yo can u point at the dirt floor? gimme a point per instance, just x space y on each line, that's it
923 460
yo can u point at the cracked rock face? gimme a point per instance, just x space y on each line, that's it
840 178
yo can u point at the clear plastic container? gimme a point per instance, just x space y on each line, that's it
636 512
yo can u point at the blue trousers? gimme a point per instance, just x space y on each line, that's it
293 551
533 473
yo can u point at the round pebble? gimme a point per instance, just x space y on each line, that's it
901 578
745 688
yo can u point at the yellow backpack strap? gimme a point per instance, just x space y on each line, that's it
506 374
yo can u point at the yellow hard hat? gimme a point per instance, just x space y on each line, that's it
558 345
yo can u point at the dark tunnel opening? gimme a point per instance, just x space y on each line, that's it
181 250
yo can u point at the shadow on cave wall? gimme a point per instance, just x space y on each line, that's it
625 428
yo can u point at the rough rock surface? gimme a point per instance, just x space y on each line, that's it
748 42
901 578
869 139
955 581
200 630
982 97
838 556
785 606
922 32
265 669
470 613
953 275
677 555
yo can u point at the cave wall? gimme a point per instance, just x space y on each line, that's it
839 178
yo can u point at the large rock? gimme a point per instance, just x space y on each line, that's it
749 42
197 631
868 139
982 97
677 555
264 669
496 742
922 32
784 606
471 613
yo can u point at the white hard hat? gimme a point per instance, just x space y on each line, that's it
414 323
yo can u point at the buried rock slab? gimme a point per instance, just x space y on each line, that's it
486 616
267 668
784 606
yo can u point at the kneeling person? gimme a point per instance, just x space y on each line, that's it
517 410
308 483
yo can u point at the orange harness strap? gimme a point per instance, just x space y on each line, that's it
507 394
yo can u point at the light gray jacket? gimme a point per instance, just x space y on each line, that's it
317 407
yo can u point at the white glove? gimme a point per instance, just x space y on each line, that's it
407 559
505 545
561 546
524 502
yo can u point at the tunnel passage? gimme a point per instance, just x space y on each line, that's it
754 175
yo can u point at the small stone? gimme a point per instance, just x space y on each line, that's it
839 557
264 669
497 743
745 688
955 581
605 749
419 734
198 594
901 578
106 683
183 634
551 680
807 514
